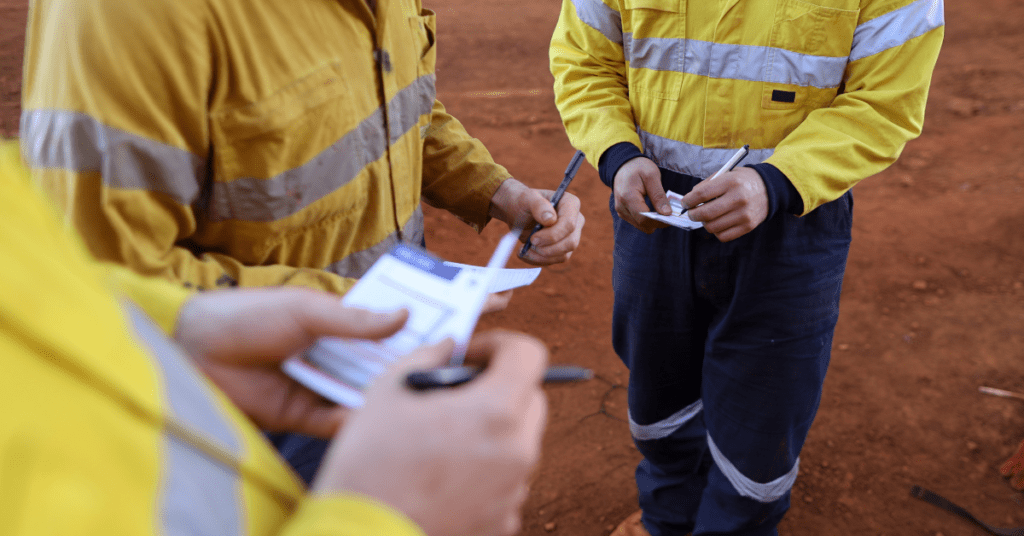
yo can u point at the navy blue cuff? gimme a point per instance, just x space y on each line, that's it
782 195
612 159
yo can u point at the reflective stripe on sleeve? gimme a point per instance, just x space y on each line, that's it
693 160
77 142
664 427
735 62
199 494
263 200
597 15
356 264
897 27
765 493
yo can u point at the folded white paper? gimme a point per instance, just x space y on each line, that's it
676 220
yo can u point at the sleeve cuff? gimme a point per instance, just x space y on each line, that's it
782 195
612 159
348 515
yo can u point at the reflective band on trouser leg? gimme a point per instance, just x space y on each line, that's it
356 264
200 494
665 427
765 493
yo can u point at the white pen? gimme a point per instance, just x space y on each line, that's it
740 155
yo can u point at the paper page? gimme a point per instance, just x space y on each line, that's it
444 300
683 222
508 278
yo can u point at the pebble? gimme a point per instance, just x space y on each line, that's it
920 284
550 526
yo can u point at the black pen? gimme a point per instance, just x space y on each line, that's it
451 376
570 172
729 166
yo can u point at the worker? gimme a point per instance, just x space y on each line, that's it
727 329
241 143
109 427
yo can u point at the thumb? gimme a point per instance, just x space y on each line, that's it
541 209
656 193
427 356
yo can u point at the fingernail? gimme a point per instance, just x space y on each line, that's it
665 208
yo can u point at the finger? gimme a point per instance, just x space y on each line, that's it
566 223
424 357
559 251
704 192
496 301
656 193
516 362
540 208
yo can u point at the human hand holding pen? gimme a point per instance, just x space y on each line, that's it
730 206
521 206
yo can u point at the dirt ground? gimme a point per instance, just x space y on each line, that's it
932 302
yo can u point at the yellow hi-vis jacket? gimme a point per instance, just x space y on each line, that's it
107 429
827 91
248 142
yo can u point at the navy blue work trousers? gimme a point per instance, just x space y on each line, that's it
303 453
727 346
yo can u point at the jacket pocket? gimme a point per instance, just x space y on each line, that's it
653 45
424 31
275 157
809 48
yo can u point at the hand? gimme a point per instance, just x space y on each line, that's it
239 338
734 203
521 206
496 301
636 179
455 461
1014 468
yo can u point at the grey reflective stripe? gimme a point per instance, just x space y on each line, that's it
693 160
734 62
356 264
597 15
199 495
665 427
897 27
765 493
263 200
410 104
78 142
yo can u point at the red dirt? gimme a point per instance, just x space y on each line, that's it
932 303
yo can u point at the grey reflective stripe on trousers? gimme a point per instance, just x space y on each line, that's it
356 264
198 494
765 493
256 199
597 15
693 160
77 142
665 427
897 27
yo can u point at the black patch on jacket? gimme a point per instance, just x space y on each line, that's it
783 96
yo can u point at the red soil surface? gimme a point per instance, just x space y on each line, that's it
932 302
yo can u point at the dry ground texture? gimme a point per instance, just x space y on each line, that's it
932 302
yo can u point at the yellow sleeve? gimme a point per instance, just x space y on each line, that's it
348 515
116 129
589 67
879 109
459 174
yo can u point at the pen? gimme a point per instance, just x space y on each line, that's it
729 166
570 172
441 377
